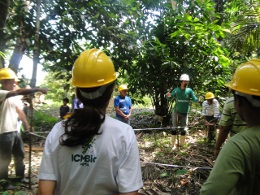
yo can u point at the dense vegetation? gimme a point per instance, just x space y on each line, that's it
151 42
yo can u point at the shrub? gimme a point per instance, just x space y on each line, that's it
44 119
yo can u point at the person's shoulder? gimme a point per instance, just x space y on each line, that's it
215 100
117 97
189 89
204 102
229 100
57 130
252 130
249 137
176 90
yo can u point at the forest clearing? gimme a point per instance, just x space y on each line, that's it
147 46
165 172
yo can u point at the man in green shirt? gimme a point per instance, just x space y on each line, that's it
237 168
182 95
230 123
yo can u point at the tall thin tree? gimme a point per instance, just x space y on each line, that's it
36 44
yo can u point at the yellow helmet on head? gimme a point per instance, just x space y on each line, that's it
7 73
122 87
93 68
246 78
209 95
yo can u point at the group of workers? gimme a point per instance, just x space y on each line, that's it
229 121
236 170
93 153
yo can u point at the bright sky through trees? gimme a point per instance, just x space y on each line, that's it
27 67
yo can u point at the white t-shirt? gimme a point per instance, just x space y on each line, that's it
110 164
8 114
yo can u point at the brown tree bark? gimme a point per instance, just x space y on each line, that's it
4 5
17 55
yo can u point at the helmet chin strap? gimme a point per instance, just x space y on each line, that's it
254 102
95 94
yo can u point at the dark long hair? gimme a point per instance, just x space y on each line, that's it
85 123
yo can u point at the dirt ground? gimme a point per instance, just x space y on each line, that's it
165 171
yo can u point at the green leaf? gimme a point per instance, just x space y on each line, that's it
164 174
181 172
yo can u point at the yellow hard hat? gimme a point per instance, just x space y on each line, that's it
122 87
246 78
209 95
7 73
93 68
67 115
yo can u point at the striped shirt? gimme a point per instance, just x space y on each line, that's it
210 110
230 117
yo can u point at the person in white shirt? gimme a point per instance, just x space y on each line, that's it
210 114
90 152
11 143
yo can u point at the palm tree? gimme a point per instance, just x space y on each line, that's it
245 29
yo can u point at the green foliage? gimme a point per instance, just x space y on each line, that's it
164 174
151 42
181 172
6 193
43 120
183 41
58 85
145 102
244 40
2 55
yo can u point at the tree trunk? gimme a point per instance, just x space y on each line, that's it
36 45
20 45
4 5
17 55
161 106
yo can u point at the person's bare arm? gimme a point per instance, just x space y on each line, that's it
130 193
222 136
23 118
205 120
25 92
130 113
46 187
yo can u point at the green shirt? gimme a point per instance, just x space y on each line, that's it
237 168
183 98
230 117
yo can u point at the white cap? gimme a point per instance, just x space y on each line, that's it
184 77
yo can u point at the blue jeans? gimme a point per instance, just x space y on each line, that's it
182 119
11 144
